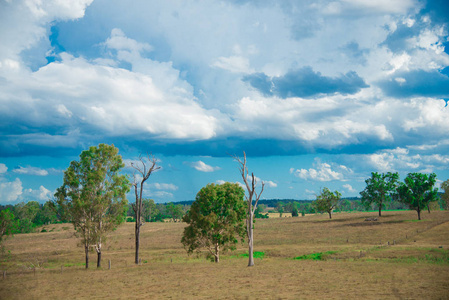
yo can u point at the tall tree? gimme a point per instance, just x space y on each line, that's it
144 169
379 189
93 196
149 210
252 199
280 208
445 196
8 223
327 201
215 219
417 191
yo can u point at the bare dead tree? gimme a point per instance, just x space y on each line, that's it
144 168
252 196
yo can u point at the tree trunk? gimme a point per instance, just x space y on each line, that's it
330 214
249 227
380 210
137 242
419 213
99 258
428 207
86 249
217 253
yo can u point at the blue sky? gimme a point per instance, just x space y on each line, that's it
318 93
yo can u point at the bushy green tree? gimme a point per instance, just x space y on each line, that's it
280 208
417 191
93 196
215 219
8 224
379 189
149 210
176 211
327 201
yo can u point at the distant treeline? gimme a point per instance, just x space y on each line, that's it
28 216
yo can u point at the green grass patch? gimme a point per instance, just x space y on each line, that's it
315 256
256 254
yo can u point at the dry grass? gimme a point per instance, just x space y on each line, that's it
363 266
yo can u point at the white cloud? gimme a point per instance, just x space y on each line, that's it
201 166
164 186
40 195
323 172
236 64
31 171
270 183
10 191
349 187
3 168
118 41
162 194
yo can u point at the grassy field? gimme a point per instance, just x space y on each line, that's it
308 257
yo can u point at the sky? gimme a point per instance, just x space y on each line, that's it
317 93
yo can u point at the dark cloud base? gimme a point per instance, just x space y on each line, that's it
417 83
305 83
215 148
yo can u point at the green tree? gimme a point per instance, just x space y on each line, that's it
46 215
379 189
215 219
8 224
93 196
280 208
175 211
259 213
345 205
445 195
417 191
327 201
149 210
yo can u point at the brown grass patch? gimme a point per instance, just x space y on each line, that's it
364 265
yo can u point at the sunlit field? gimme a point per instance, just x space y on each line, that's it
308 257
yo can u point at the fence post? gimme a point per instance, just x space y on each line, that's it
109 264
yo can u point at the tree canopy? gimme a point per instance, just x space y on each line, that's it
327 201
215 220
417 191
93 195
379 189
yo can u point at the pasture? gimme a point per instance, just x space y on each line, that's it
311 257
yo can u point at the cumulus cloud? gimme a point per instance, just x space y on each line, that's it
203 167
30 171
322 172
3 168
10 191
305 83
40 195
270 183
349 188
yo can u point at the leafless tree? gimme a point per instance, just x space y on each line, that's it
253 196
144 168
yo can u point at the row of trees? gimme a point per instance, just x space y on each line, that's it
417 192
